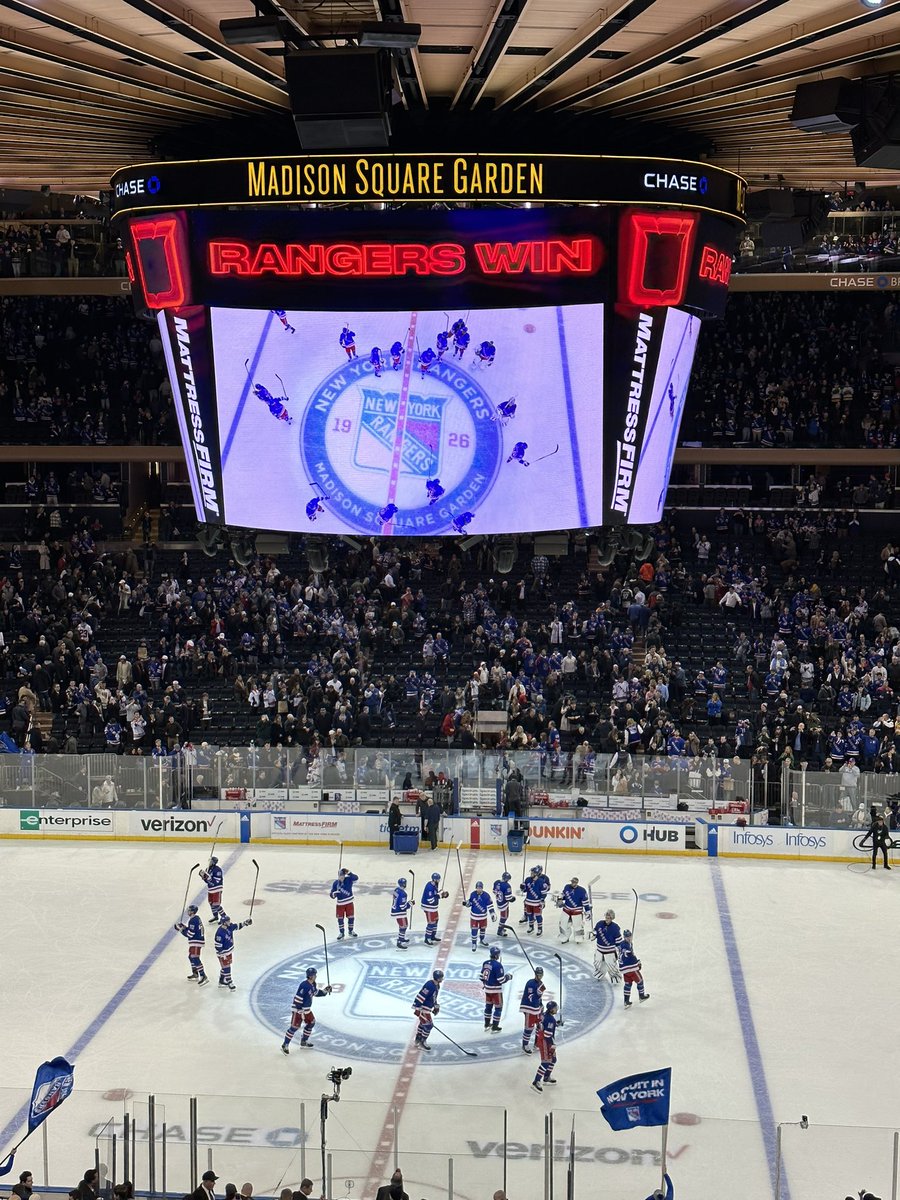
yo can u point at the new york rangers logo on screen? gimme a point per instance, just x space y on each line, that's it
378 418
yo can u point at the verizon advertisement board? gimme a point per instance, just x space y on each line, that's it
117 825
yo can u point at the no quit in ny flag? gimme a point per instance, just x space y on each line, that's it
637 1100
53 1083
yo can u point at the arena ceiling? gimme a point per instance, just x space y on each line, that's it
88 87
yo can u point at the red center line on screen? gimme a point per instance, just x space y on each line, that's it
384 1148
402 407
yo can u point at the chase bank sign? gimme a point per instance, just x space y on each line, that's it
662 181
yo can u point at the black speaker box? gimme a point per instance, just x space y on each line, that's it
827 106
340 98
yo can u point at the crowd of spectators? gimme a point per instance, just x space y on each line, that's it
47 250
795 369
82 371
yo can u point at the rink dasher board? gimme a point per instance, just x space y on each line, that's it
118 825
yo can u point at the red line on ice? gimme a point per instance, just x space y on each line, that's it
402 406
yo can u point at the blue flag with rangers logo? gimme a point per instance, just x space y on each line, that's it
637 1100
53 1083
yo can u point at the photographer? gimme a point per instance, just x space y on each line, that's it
878 832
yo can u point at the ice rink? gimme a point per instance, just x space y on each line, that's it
771 996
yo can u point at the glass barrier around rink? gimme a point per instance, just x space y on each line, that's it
835 799
88 781
836 1160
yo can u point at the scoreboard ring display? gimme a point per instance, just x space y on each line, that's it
429 344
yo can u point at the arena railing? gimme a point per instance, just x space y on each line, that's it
830 799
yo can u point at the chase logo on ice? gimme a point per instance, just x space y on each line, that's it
369 1014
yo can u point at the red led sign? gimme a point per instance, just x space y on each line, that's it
159 251
654 255
715 265
370 260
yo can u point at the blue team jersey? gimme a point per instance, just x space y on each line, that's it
548 1028
574 898
480 903
503 893
531 997
399 902
493 975
536 888
347 338
225 938
628 960
427 997
609 936
306 993
193 930
431 895
342 889
214 879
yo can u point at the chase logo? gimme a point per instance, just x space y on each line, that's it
369 1016
30 820
366 440
702 185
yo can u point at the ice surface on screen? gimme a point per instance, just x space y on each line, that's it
670 385
396 435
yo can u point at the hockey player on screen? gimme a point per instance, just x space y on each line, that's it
193 931
388 513
427 359
434 490
460 522
505 411
504 897
546 1044
400 910
461 339
342 894
532 1006
348 341
376 358
314 507
518 454
484 355
479 905
630 966
493 977
426 1008
302 1013
215 882
282 317
431 898
671 400
608 938
276 404
576 906
442 341
396 355
225 947
458 326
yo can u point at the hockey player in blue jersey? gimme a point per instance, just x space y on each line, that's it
536 888
388 513
458 326
426 1008
215 882
608 938
400 910
396 355
276 404
193 931
376 358
546 1044
342 894
576 906
461 339
434 490
518 454
442 342
301 1010
479 905
532 1006
431 898
505 411
427 359
671 394
503 894
314 507
493 977
282 317
460 522
485 353
348 341
630 966
225 947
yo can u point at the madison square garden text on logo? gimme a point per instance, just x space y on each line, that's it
369 1014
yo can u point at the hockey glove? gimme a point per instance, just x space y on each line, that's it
444 895
436 1009
179 926
249 921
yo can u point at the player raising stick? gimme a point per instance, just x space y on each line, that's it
396 355
461 339
434 490
302 1013
532 1006
342 893
442 341
431 898
427 359
215 882
400 908
479 905
630 966
348 341
225 947
493 977
282 317
193 931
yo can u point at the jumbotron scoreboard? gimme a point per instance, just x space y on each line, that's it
429 344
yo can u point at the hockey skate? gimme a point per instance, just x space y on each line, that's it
203 979
646 996
526 1049
285 1048
495 1028
537 1087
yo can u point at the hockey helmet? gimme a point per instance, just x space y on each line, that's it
479 886
609 915
538 972
437 976
344 871
224 918
506 877
574 880
435 878
311 972
495 951
213 862
552 1006
626 935
535 870
401 882
192 908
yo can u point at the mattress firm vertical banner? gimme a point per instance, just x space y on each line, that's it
633 339
187 342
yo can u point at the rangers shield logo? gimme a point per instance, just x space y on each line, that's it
420 452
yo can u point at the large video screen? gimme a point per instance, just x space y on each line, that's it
411 422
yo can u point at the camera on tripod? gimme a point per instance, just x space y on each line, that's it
337 1075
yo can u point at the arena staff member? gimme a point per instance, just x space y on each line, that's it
880 839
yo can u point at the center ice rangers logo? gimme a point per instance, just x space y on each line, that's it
367 442
369 1015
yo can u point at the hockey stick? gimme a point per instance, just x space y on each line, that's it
559 1000
446 865
521 947
216 837
447 315
634 918
283 388
188 887
503 851
412 876
340 857
546 858
255 885
543 456
468 1053
462 886
325 943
